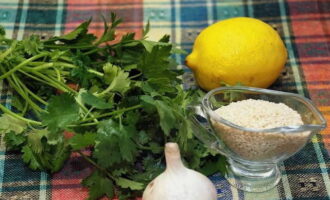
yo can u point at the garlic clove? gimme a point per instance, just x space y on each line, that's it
178 182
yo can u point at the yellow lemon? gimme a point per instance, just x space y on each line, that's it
237 50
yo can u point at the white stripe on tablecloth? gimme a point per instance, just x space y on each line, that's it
43 186
59 14
210 15
234 193
286 185
177 36
22 22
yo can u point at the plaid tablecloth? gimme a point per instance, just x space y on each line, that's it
303 24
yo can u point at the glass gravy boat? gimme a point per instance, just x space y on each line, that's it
254 154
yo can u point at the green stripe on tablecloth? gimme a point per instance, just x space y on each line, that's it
291 54
323 167
269 195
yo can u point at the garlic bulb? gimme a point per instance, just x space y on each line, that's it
178 182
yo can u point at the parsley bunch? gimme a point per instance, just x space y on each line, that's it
121 100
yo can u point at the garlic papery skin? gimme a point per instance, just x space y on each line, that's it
178 182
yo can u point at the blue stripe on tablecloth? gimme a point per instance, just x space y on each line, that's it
223 188
4 97
9 16
6 101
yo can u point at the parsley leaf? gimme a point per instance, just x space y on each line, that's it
14 141
79 34
2 31
59 154
94 101
130 102
109 32
126 183
80 74
32 45
98 185
80 141
35 139
115 144
155 66
61 111
167 118
30 158
9 123
117 78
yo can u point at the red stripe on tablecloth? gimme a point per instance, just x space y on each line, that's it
66 184
131 11
318 50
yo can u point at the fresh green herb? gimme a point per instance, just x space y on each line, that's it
122 101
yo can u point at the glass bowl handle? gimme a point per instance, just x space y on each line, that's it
202 129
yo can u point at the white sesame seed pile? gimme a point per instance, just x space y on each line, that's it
260 114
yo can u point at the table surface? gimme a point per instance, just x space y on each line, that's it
303 24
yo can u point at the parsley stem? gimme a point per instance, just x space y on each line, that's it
95 165
90 110
36 78
67 65
8 51
19 82
13 83
26 105
66 58
22 64
92 71
35 63
87 113
56 83
113 113
85 124
9 112
43 66
69 46
61 64
135 76
58 74
93 50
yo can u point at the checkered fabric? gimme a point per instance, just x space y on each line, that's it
304 25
